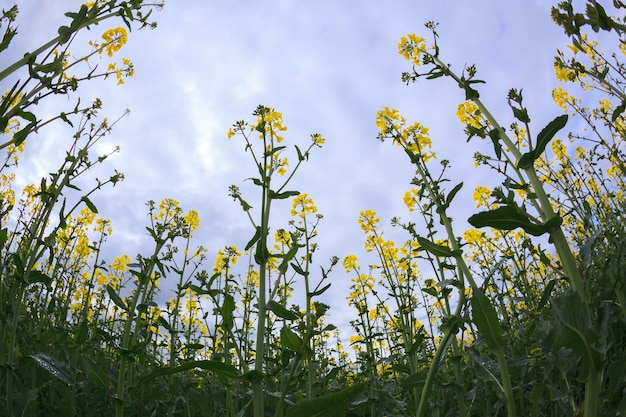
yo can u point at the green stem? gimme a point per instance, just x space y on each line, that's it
128 329
258 388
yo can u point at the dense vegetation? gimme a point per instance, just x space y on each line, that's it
523 314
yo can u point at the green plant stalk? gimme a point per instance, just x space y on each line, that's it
434 364
261 248
128 330
285 384
466 273
309 320
594 380
547 213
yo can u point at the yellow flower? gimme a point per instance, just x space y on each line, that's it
350 263
302 205
564 74
481 196
473 236
469 114
115 39
411 48
120 263
317 139
561 98
193 220
368 220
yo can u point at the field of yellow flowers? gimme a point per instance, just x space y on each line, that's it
524 314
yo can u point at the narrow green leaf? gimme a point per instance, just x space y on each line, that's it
434 248
95 374
297 268
36 276
280 310
255 238
331 405
282 268
547 292
320 291
227 309
618 111
452 194
299 152
217 367
116 298
545 136
283 195
202 291
494 135
485 318
274 150
89 204
56 368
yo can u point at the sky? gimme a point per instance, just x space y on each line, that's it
328 66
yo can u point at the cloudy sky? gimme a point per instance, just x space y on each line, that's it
328 66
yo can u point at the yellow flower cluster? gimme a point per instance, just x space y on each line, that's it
273 124
302 205
350 263
114 40
411 47
469 114
562 98
481 196
368 221
414 138
410 199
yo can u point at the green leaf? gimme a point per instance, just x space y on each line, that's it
494 135
545 136
452 194
320 291
297 268
116 298
435 249
37 276
274 150
618 111
282 268
95 374
485 318
547 291
217 367
331 405
21 135
283 195
526 160
56 368
255 238
291 341
201 291
89 204
572 331
299 152
507 218
521 114
280 310
227 309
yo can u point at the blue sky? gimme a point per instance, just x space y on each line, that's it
328 66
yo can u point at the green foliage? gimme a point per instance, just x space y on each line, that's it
510 327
